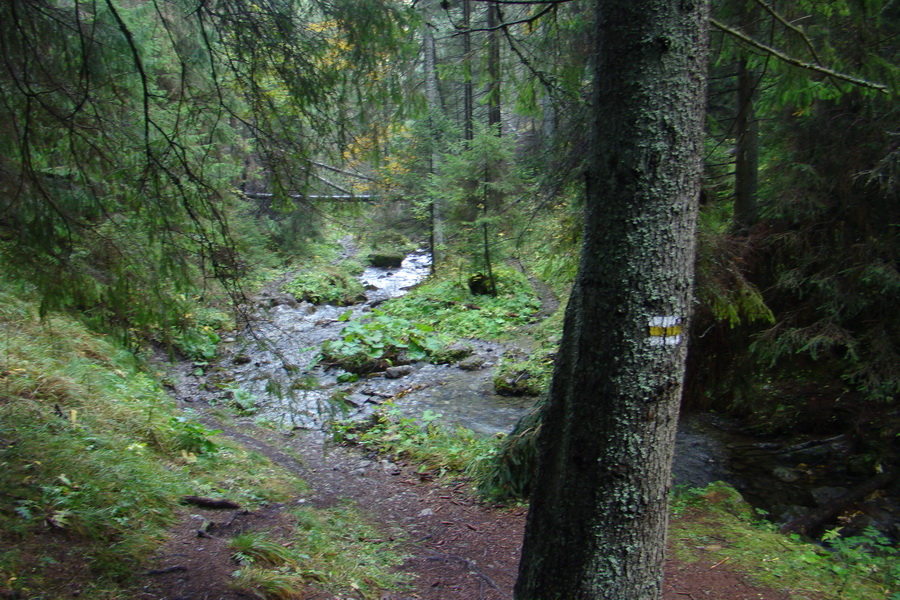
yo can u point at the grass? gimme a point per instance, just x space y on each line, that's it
456 451
95 457
332 549
715 524
446 304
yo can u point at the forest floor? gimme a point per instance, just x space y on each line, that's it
456 547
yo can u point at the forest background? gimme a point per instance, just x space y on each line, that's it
162 159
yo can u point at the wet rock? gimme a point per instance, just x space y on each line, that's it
453 353
825 494
517 383
398 372
355 400
472 363
786 513
786 474
273 299
386 259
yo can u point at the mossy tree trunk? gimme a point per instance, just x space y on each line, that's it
746 165
596 527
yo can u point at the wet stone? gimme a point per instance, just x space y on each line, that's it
825 494
398 372
785 474
472 363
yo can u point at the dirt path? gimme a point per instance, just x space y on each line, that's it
458 548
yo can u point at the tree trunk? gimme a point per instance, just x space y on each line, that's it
492 200
746 167
435 110
468 102
596 527
493 66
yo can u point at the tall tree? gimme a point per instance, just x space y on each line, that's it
596 527
124 124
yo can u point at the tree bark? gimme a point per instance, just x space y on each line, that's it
468 100
746 167
493 66
596 527
435 109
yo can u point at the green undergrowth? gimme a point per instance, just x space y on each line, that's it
715 525
376 340
332 549
95 458
424 441
711 524
328 284
446 304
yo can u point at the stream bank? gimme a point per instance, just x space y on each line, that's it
271 370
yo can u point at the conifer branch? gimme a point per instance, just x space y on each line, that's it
795 61
778 17
528 21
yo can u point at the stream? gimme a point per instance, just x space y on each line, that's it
281 380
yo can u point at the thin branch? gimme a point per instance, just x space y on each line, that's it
797 62
529 20
769 9
341 171
332 184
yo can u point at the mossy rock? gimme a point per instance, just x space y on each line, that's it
386 259
327 286
453 353
516 383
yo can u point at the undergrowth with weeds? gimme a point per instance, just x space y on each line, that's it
328 284
376 340
95 458
447 305
456 451
332 549
714 523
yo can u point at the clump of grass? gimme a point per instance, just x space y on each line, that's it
446 304
331 549
255 547
95 453
92 448
271 584
714 523
344 553
423 441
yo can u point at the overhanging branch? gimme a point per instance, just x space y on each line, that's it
795 61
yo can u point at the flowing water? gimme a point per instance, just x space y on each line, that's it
292 391
274 362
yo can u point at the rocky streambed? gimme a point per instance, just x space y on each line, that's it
270 371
